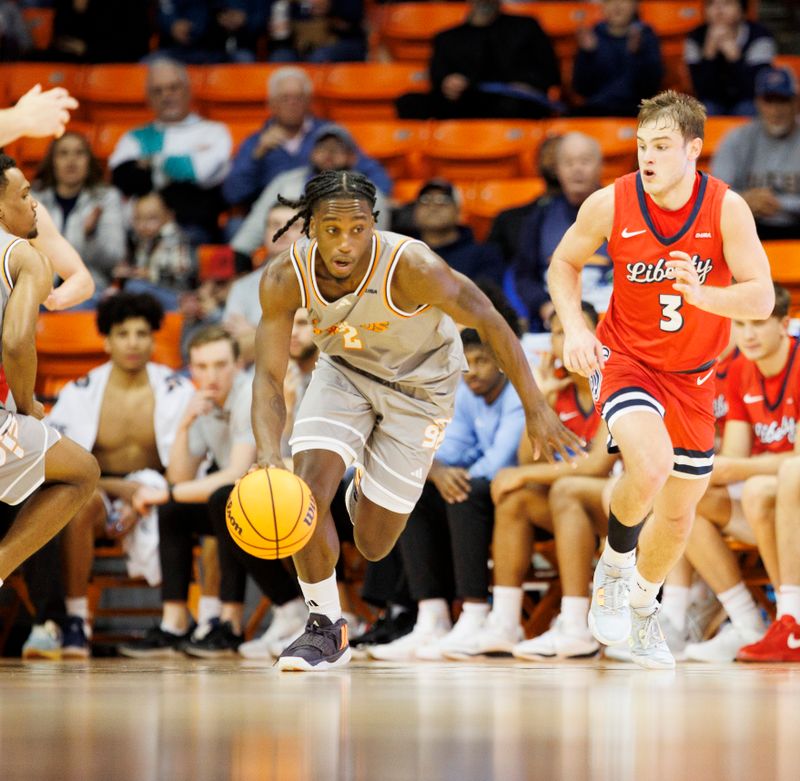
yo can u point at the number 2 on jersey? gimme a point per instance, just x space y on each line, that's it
350 338
671 318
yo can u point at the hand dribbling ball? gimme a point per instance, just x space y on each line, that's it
271 513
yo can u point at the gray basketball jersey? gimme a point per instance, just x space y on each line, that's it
7 243
368 332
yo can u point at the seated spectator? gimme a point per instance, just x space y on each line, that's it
436 223
451 526
98 31
333 149
87 212
208 31
724 55
179 154
216 426
161 260
618 62
318 31
15 37
126 413
527 496
493 65
243 306
578 165
762 385
761 160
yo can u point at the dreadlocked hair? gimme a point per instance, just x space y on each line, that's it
328 184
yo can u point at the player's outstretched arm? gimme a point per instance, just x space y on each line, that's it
751 296
32 277
424 278
37 114
280 299
583 353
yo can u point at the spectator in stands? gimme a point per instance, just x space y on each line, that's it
243 305
761 160
724 55
100 31
216 426
618 62
320 31
15 37
760 434
126 413
493 65
161 260
578 165
436 214
180 154
451 526
507 225
87 212
332 149
208 31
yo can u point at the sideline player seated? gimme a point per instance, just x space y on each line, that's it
383 307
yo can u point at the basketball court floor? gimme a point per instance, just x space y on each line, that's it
115 720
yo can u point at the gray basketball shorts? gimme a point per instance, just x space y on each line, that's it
23 442
390 435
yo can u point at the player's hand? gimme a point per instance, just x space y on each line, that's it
547 379
587 39
274 461
687 280
453 86
548 435
452 482
271 138
506 482
147 497
583 352
762 201
46 113
124 522
199 404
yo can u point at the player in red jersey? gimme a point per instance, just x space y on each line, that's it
675 237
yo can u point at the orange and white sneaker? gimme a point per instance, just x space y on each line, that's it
781 643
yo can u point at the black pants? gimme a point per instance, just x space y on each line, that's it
179 526
446 543
471 105
385 581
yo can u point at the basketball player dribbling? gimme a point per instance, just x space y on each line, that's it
676 237
382 306
31 452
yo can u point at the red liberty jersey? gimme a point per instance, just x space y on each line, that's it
721 404
769 404
579 421
647 318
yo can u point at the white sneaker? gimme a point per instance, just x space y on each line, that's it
649 649
404 649
610 614
491 638
676 639
617 653
44 642
288 623
559 642
724 646
458 643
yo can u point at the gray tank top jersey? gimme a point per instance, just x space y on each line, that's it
7 243
367 331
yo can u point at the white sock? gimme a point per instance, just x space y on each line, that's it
1 583
616 559
208 608
78 606
288 607
574 612
674 604
323 597
789 602
506 606
432 612
474 613
741 607
396 610
643 593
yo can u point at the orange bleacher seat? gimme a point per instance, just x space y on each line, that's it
168 341
408 28
791 61
215 261
561 20
29 152
396 144
617 138
106 137
405 190
482 148
716 129
672 20
240 131
484 200
19 77
784 261
40 24
367 90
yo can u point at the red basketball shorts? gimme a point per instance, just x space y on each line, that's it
684 401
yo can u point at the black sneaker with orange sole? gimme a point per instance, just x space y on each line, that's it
323 646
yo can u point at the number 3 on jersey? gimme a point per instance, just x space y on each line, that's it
671 318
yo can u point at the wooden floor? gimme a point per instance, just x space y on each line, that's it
117 720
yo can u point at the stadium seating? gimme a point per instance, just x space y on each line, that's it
29 152
18 77
106 137
396 144
40 24
716 129
484 200
408 28
617 138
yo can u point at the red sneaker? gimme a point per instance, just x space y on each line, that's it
781 643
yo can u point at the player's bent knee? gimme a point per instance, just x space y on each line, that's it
371 548
789 471
758 499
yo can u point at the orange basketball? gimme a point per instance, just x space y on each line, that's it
271 513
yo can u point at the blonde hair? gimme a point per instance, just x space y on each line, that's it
686 113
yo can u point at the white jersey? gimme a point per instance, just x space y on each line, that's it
7 243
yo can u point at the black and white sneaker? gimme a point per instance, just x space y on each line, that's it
156 644
322 646
219 642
